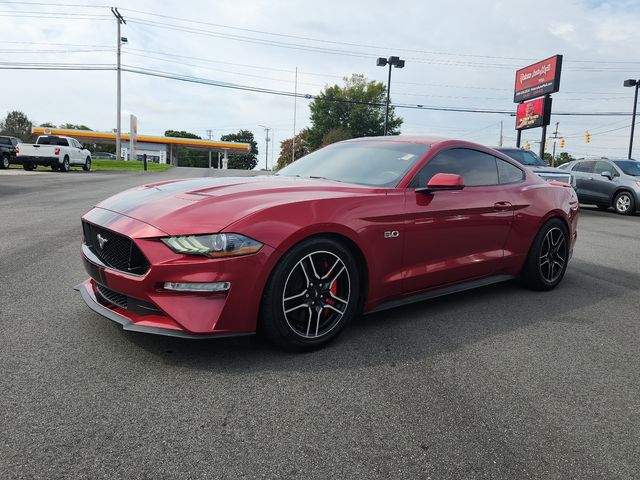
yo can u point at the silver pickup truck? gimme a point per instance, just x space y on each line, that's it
59 153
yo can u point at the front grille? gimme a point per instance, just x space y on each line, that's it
112 297
117 251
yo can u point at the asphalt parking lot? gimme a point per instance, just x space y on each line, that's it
499 383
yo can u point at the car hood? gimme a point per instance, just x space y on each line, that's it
208 205
553 170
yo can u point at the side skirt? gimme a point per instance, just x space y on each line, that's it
441 292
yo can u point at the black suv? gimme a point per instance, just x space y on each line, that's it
8 151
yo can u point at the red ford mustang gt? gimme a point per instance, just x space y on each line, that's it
358 226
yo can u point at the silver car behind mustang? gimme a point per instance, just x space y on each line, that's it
607 183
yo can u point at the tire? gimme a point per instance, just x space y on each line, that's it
624 203
28 166
55 167
603 207
87 164
5 162
64 166
305 305
548 257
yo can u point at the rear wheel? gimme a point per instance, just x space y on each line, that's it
5 161
548 257
64 166
311 296
28 166
55 167
87 164
624 203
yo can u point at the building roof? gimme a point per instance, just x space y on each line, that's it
110 137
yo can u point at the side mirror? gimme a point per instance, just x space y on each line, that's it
607 174
443 181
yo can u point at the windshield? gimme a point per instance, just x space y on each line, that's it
630 167
375 163
525 157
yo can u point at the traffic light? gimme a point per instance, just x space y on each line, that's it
587 137
562 143
527 146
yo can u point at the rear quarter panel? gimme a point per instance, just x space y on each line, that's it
535 203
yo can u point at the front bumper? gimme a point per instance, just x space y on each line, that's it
148 307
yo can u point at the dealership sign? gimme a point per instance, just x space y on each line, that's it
538 79
534 113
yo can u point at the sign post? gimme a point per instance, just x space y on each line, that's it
536 83
133 133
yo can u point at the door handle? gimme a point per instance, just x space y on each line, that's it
502 206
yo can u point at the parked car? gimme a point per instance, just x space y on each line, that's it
360 225
537 165
607 183
105 155
8 151
60 153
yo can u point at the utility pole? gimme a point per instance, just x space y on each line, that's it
295 103
209 135
266 156
120 20
555 139
500 142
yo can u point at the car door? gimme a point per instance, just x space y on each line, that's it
78 156
603 187
452 236
583 172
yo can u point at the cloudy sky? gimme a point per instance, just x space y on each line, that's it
458 54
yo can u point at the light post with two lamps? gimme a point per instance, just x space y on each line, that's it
395 62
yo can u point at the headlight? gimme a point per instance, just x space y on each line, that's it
214 246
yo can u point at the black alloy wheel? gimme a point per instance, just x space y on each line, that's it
548 257
311 296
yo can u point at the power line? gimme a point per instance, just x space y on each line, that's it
190 79
360 45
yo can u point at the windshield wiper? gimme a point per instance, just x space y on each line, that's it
317 177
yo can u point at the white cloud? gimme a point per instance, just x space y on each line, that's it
454 45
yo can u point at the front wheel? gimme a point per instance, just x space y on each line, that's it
87 164
624 203
6 161
548 257
311 296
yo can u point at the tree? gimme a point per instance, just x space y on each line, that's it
284 158
48 125
243 161
17 124
73 126
186 157
335 135
357 108
564 157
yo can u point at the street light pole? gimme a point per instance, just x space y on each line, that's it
396 62
636 84
119 21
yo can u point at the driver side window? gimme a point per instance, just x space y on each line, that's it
476 168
